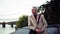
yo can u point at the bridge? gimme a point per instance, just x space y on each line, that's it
9 23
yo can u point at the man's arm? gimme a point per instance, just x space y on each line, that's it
30 24
44 22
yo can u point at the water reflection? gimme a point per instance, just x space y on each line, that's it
8 29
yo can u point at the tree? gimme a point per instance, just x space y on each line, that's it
52 11
41 8
22 22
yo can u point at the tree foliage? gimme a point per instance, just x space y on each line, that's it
22 22
52 11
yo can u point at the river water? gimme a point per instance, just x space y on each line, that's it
8 29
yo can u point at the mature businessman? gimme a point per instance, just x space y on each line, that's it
37 23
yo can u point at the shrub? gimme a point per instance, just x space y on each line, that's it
22 22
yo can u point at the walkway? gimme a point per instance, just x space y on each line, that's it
25 30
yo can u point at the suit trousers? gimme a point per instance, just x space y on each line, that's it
33 32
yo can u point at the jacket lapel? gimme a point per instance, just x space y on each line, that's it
34 18
37 16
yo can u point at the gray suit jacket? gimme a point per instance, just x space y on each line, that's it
32 22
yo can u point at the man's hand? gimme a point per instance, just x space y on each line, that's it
38 30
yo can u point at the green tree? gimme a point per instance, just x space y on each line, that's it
41 8
52 11
22 22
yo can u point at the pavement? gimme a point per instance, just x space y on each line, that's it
25 30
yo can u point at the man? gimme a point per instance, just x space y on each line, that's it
37 23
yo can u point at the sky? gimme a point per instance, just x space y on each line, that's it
11 10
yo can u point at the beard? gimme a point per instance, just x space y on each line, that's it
35 14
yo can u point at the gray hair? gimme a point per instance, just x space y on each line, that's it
34 8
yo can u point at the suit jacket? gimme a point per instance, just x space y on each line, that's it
32 22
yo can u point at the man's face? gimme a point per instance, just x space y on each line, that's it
34 11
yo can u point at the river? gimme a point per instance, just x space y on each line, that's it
8 29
